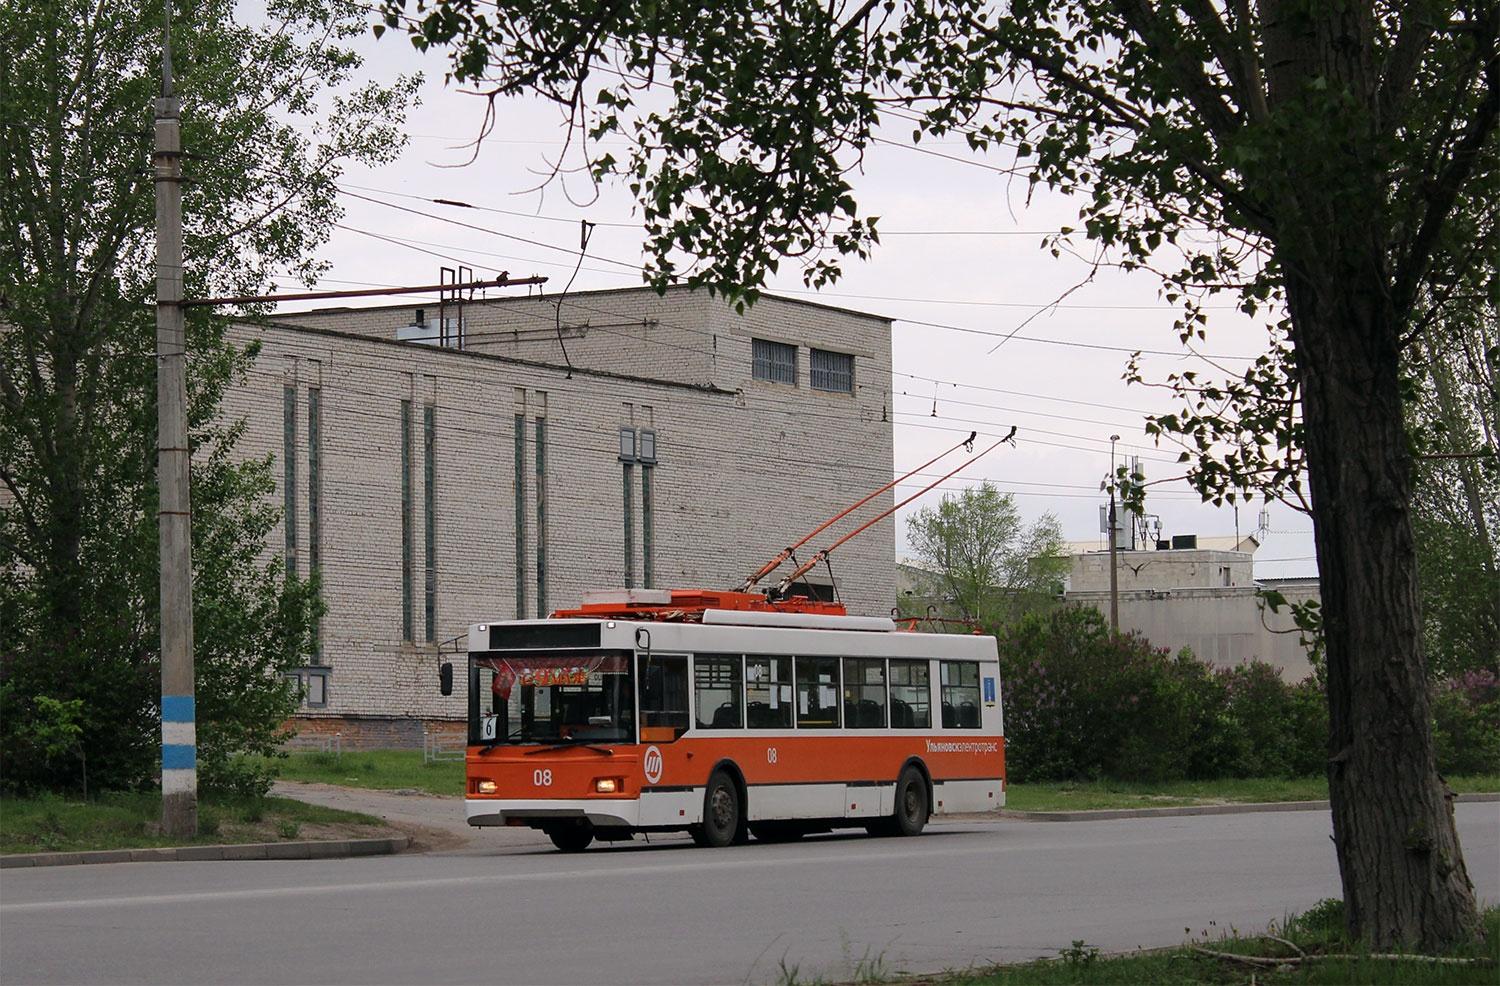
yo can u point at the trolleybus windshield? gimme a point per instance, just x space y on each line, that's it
551 697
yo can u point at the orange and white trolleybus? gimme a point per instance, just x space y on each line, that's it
727 716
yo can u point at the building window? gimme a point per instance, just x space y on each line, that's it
541 516
628 472
314 494
289 474
768 692
960 680
833 372
648 527
719 681
406 552
310 684
775 362
864 693
520 484
911 695
317 689
429 493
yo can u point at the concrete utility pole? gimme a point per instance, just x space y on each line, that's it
179 740
1114 568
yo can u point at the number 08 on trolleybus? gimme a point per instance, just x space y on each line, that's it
727 714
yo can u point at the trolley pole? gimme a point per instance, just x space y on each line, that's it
179 747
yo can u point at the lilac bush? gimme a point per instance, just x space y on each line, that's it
1082 703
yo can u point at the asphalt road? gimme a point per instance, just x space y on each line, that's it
513 912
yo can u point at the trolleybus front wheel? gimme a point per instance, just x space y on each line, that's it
910 815
721 813
573 837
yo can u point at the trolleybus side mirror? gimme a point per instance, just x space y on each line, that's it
445 677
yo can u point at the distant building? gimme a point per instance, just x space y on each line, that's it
1202 597
623 438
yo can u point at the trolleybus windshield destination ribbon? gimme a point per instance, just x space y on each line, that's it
542 670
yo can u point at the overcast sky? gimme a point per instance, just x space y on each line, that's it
960 248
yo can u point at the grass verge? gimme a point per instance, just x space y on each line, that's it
1311 950
385 770
1096 795
404 770
49 823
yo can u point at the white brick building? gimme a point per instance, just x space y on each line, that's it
434 487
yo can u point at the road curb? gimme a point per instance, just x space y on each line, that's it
332 849
1244 808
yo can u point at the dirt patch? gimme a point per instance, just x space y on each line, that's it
273 830
425 838
432 823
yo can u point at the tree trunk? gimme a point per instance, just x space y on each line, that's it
1405 883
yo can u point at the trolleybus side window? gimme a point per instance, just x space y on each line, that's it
864 693
960 694
718 681
817 692
664 698
911 695
768 692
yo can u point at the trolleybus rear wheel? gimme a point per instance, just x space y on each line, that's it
721 813
574 837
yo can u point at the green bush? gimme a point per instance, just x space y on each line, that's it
1084 703
239 777
1466 723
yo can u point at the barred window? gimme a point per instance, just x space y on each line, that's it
773 361
832 371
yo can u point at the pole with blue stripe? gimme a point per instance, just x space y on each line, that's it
179 737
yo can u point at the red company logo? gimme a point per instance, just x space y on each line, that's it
652 764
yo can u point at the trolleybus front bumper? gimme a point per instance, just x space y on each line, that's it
603 812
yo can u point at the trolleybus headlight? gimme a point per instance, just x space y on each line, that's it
485 787
606 785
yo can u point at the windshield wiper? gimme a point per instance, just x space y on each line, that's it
586 744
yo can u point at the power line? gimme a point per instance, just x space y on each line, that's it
858 386
988 333
609 224
485 229
1182 354
793 409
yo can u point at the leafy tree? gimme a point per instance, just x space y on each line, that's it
269 112
1455 418
991 567
1332 164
